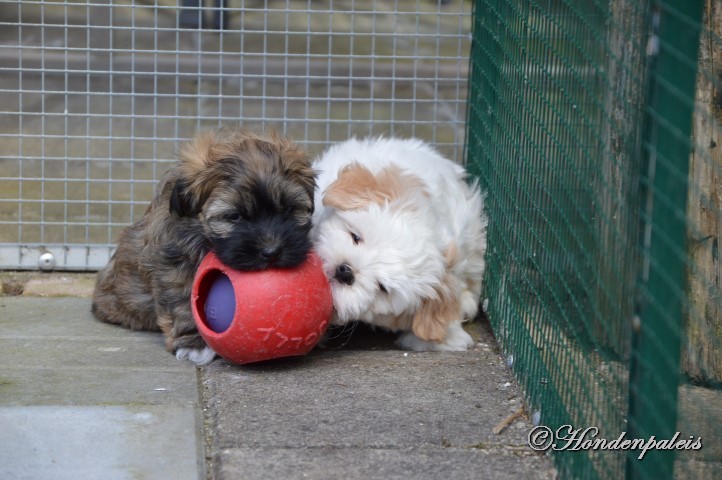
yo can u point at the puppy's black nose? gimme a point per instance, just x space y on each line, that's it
270 254
344 274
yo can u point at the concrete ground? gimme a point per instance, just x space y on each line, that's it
81 399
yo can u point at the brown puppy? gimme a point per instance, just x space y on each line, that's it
247 197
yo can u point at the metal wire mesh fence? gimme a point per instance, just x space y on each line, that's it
594 126
95 95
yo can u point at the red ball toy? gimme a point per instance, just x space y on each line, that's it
260 315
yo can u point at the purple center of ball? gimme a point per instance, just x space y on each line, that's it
220 304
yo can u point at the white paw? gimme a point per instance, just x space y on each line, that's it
457 340
199 357
469 305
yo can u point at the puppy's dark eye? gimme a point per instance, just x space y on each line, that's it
382 287
356 239
236 216
300 211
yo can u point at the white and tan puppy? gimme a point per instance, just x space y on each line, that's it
402 237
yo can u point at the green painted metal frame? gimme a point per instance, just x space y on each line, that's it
656 339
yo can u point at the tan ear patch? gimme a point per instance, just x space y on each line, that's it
356 187
433 316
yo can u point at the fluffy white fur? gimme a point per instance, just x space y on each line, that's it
402 237
200 357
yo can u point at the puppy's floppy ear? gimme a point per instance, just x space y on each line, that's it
431 319
435 313
356 187
195 155
182 201
296 162
195 177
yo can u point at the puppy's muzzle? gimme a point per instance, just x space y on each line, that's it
344 274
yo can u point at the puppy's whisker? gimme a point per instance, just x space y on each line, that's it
344 332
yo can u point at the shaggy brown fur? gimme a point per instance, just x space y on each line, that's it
245 196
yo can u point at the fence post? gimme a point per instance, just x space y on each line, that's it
619 179
656 338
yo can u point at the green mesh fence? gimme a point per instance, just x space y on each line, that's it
595 128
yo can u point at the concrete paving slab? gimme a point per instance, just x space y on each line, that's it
93 352
387 464
368 413
329 399
98 442
83 399
53 317
73 386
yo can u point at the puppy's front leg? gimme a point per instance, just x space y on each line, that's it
182 337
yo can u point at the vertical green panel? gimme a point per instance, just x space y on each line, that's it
578 128
537 105
654 373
